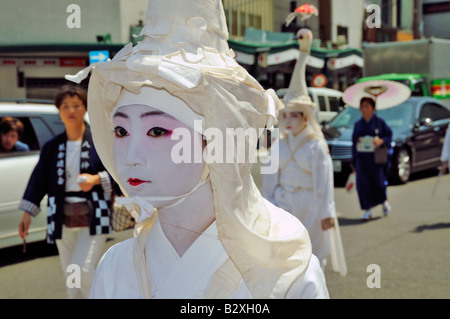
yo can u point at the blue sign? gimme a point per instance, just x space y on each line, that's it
98 56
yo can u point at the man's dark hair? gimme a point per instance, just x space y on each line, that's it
8 124
71 90
368 99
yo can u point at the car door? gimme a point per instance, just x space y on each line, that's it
433 120
15 171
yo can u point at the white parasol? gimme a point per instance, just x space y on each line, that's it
386 93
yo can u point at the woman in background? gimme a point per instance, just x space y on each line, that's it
371 178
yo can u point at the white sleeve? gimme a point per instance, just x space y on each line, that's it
323 181
105 182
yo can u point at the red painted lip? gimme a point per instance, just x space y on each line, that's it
288 127
136 181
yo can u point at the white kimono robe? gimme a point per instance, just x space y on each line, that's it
304 187
186 277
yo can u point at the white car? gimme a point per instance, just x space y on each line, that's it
329 101
41 123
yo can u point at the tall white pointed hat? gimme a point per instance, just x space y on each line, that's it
185 55
297 97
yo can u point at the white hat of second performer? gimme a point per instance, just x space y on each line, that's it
297 97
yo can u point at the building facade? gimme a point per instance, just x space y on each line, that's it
406 20
436 18
43 40
339 22
50 21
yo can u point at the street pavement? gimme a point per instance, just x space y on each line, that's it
411 246
411 249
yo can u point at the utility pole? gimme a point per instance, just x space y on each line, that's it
416 19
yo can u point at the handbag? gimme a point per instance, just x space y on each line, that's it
381 154
121 218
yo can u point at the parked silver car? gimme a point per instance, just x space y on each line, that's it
41 123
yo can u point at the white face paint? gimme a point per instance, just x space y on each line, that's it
142 153
294 122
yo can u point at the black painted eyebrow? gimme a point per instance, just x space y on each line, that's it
157 113
146 114
120 114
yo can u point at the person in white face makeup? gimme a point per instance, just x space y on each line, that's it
204 230
304 183
145 167
143 140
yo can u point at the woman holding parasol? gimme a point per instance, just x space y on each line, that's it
369 133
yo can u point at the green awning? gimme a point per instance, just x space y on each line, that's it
256 40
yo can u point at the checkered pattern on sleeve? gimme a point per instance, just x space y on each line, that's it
101 219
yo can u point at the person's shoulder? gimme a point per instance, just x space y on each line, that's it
54 141
118 256
358 122
120 250
317 145
22 147
380 119
109 275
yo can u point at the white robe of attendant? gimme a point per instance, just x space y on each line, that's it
186 277
304 187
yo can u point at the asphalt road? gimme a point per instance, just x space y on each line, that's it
411 246
411 249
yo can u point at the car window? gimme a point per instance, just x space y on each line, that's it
405 82
28 136
399 116
322 103
335 103
42 130
434 112
38 129
418 88
347 118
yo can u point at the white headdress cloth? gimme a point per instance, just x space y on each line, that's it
185 52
